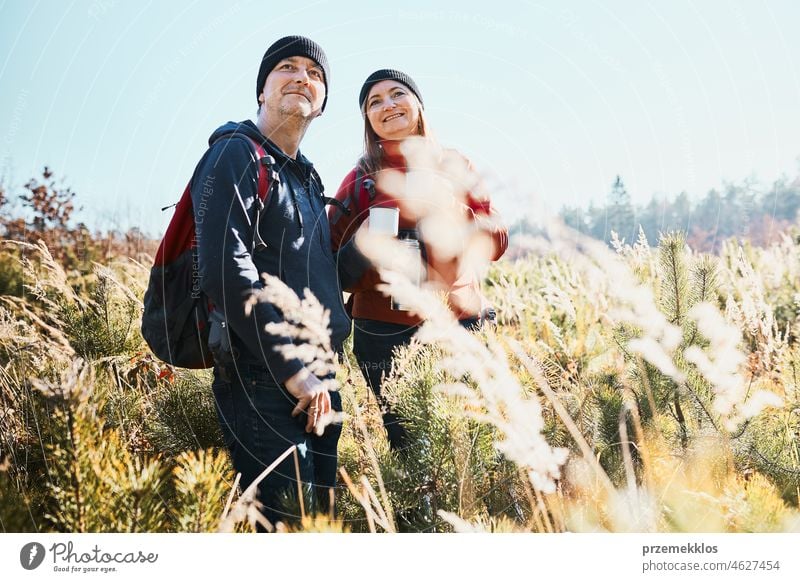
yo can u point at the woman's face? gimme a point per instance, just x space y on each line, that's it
392 110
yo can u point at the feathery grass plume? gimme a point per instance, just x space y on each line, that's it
434 191
687 397
460 525
639 256
641 331
126 276
676 306
202 481
48 294
47 288
630 302
519 419
44 271
777 273
306 322
37 339
100 323
23 341
502 399
721 365
748 307
560 300
587 259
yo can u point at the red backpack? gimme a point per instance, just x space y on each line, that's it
176 318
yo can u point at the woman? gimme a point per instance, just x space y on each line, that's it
393 112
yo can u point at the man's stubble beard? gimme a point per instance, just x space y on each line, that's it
296 113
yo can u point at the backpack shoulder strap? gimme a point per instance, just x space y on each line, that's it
368 185
266 173
268 180
267 176
357 184
363 190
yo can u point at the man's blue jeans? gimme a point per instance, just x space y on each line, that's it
255 415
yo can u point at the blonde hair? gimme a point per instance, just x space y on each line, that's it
371 160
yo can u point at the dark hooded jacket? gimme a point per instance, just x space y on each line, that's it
293 225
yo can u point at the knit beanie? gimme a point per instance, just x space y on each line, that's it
292 46
387 75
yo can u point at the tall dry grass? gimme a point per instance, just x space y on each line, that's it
639 388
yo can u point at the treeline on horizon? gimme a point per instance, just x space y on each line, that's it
746 211
44 208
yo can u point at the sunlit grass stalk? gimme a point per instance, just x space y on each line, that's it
246 507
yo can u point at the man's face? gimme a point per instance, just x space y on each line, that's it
294 87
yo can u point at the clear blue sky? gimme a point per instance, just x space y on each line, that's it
551 98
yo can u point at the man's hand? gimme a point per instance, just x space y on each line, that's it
310 394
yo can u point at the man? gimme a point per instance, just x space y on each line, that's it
266 403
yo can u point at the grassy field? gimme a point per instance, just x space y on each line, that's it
647 389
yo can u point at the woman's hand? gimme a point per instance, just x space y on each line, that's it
311 394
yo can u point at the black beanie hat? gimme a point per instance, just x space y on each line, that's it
292 46
387 75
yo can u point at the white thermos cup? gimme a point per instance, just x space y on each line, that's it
384 220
